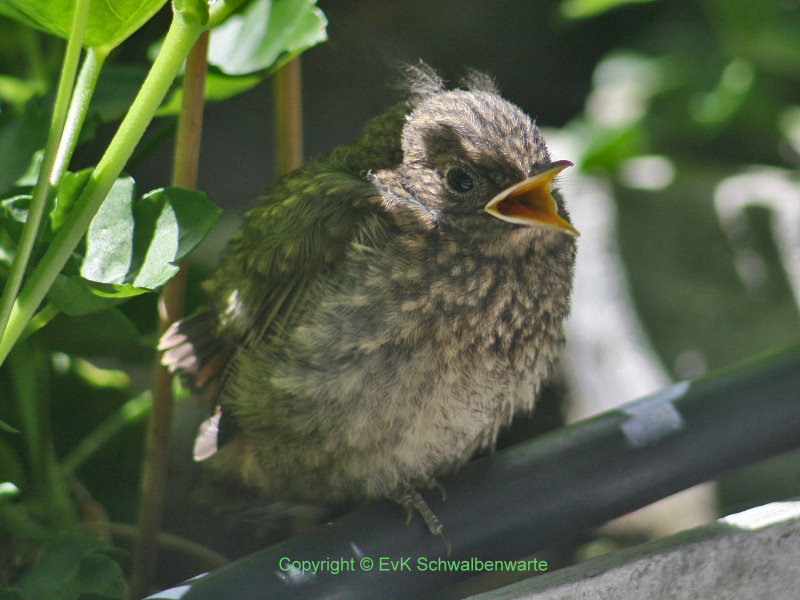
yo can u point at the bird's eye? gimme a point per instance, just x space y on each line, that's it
459 180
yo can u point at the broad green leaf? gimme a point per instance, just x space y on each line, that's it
265 35
139 243
73 567
192 213
13 214
132 246
75 296
15 208
106 333
109 252
29 177
109 23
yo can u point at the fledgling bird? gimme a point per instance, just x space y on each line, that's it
388 307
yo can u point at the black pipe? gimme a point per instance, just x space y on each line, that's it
534 494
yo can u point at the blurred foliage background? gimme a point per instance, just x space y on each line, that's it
683 120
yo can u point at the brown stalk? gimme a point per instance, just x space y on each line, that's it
170 308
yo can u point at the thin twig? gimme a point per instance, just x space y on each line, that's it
288 116
187 150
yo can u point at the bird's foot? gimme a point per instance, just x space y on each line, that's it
412 500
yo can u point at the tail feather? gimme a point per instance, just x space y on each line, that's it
192 350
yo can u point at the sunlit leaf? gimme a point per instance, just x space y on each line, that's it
108 25
132 246
265 35
15 208
109 252
139 243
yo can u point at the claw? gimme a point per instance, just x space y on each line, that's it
412 500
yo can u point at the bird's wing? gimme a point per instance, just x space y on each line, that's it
290 245
273 271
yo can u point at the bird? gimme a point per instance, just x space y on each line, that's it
386 308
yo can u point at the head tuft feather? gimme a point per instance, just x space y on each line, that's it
421 81
478 81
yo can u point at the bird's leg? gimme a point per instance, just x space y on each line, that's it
412 500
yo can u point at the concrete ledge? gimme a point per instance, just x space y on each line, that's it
752 554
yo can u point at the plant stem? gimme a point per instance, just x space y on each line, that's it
42 191
23 379
177 44
29 379
78 108
184 174
288 116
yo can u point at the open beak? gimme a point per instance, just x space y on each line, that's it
531 202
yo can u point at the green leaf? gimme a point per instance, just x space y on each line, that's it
29 177
131 246
252 44
108 250
109 22
15 208
73 567
138 243
74 296
104 333
13 214
265 35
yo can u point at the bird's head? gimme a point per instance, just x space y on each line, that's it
475 163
